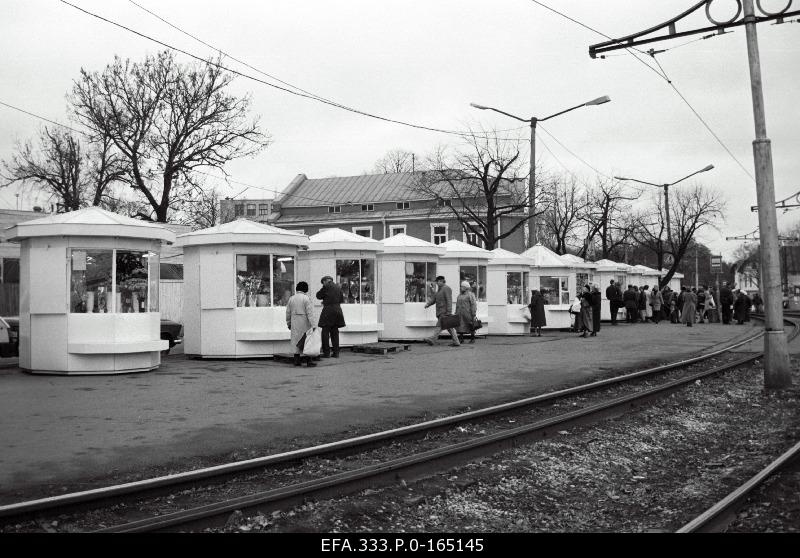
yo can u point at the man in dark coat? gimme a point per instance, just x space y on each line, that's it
741 306
725 302
614 296
331 318
595 300
443 299
631 305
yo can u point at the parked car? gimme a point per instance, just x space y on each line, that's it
9 335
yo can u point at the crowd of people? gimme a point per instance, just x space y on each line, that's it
687 306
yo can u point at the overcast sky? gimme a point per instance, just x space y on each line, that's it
423 62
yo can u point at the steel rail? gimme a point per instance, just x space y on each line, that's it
146 486
414 466
716 518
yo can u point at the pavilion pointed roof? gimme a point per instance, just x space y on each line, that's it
502 256
242 231
338 239
91 221
544 257
458 249
402 243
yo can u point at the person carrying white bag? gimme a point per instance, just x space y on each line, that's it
299 311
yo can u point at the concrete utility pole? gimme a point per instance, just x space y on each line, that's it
777 373
776 355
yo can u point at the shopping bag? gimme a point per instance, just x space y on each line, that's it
313 344
526 313
477 324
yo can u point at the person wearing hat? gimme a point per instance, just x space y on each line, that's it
331 318
466 310
443 299
298 318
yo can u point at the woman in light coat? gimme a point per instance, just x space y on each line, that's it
467 311
656 302
689 307
299 313
586 324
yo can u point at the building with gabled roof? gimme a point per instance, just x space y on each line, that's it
376 206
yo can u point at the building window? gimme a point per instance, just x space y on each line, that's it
251 210
357 280
334 209
263 280
472 238
363 231
517 287
238 210
263 209
444 203
397 229
403 205
420 281
475 275
555 290
367 207
10 270
438 233
94 289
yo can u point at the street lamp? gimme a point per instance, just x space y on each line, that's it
666 191
532 179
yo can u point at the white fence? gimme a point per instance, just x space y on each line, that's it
171 299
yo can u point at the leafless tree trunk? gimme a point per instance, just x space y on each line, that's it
166 119
568 203
608 216
692 208
479 185
58 166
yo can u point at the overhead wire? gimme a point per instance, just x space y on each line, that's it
661 73
263 82
228 180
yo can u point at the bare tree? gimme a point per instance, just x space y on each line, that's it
479 185
60 165
166 119
608 216
691 209
747 259
396 160
568 203
201 209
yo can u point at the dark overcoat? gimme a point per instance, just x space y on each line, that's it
538 315
331 297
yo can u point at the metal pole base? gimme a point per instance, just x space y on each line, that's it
777 372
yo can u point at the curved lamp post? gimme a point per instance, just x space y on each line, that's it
666 191
532 179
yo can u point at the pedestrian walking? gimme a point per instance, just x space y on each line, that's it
711 306
331 318
443 299
758 302
689 307
538 316
701 304
614 296
467 311
740 305
299 312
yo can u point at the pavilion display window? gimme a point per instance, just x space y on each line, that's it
619 280
555 290
517 287
476 276
357 280
113 281
420 281
264 280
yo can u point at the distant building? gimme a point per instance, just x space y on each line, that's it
375 206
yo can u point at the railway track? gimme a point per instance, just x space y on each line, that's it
409 467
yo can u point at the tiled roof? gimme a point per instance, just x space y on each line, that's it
367 188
